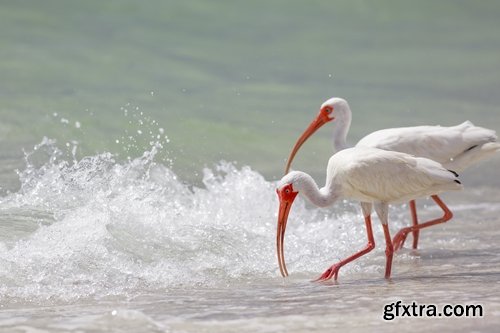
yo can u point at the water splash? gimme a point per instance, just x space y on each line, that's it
98 226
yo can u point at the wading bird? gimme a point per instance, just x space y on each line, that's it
374 177
455 147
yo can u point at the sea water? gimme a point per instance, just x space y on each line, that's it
97 244
141 145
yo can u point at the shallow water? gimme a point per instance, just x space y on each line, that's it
94 244
140 146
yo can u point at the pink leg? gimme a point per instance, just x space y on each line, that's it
388 251
333 271
414 219
400 237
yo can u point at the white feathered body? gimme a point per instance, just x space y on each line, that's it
371 175
456 147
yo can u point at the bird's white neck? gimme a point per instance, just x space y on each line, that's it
341 126
320 197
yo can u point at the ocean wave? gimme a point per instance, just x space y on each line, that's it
99 226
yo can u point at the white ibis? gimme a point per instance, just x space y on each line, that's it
455 147
372 176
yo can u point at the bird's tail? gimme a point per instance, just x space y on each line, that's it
473 156
443 179
476 134
450 185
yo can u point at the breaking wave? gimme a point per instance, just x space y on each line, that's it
102 227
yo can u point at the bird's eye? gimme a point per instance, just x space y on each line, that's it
287 190
329 110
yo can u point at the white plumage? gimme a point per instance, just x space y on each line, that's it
455 147
372 176
465 142
368 174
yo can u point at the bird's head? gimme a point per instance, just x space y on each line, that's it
333 108
287 191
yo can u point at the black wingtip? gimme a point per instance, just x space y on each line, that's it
458 182
453 172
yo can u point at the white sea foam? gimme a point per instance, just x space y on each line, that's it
98 226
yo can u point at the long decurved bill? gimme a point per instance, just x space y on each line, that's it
321 119
286 200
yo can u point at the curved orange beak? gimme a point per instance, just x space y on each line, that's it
321 119
286 197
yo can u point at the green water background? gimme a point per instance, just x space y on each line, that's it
239 80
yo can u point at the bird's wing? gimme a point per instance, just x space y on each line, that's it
440 144
392 176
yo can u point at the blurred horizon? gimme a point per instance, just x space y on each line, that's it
239 81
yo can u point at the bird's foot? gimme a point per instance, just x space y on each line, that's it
329 273
400 238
